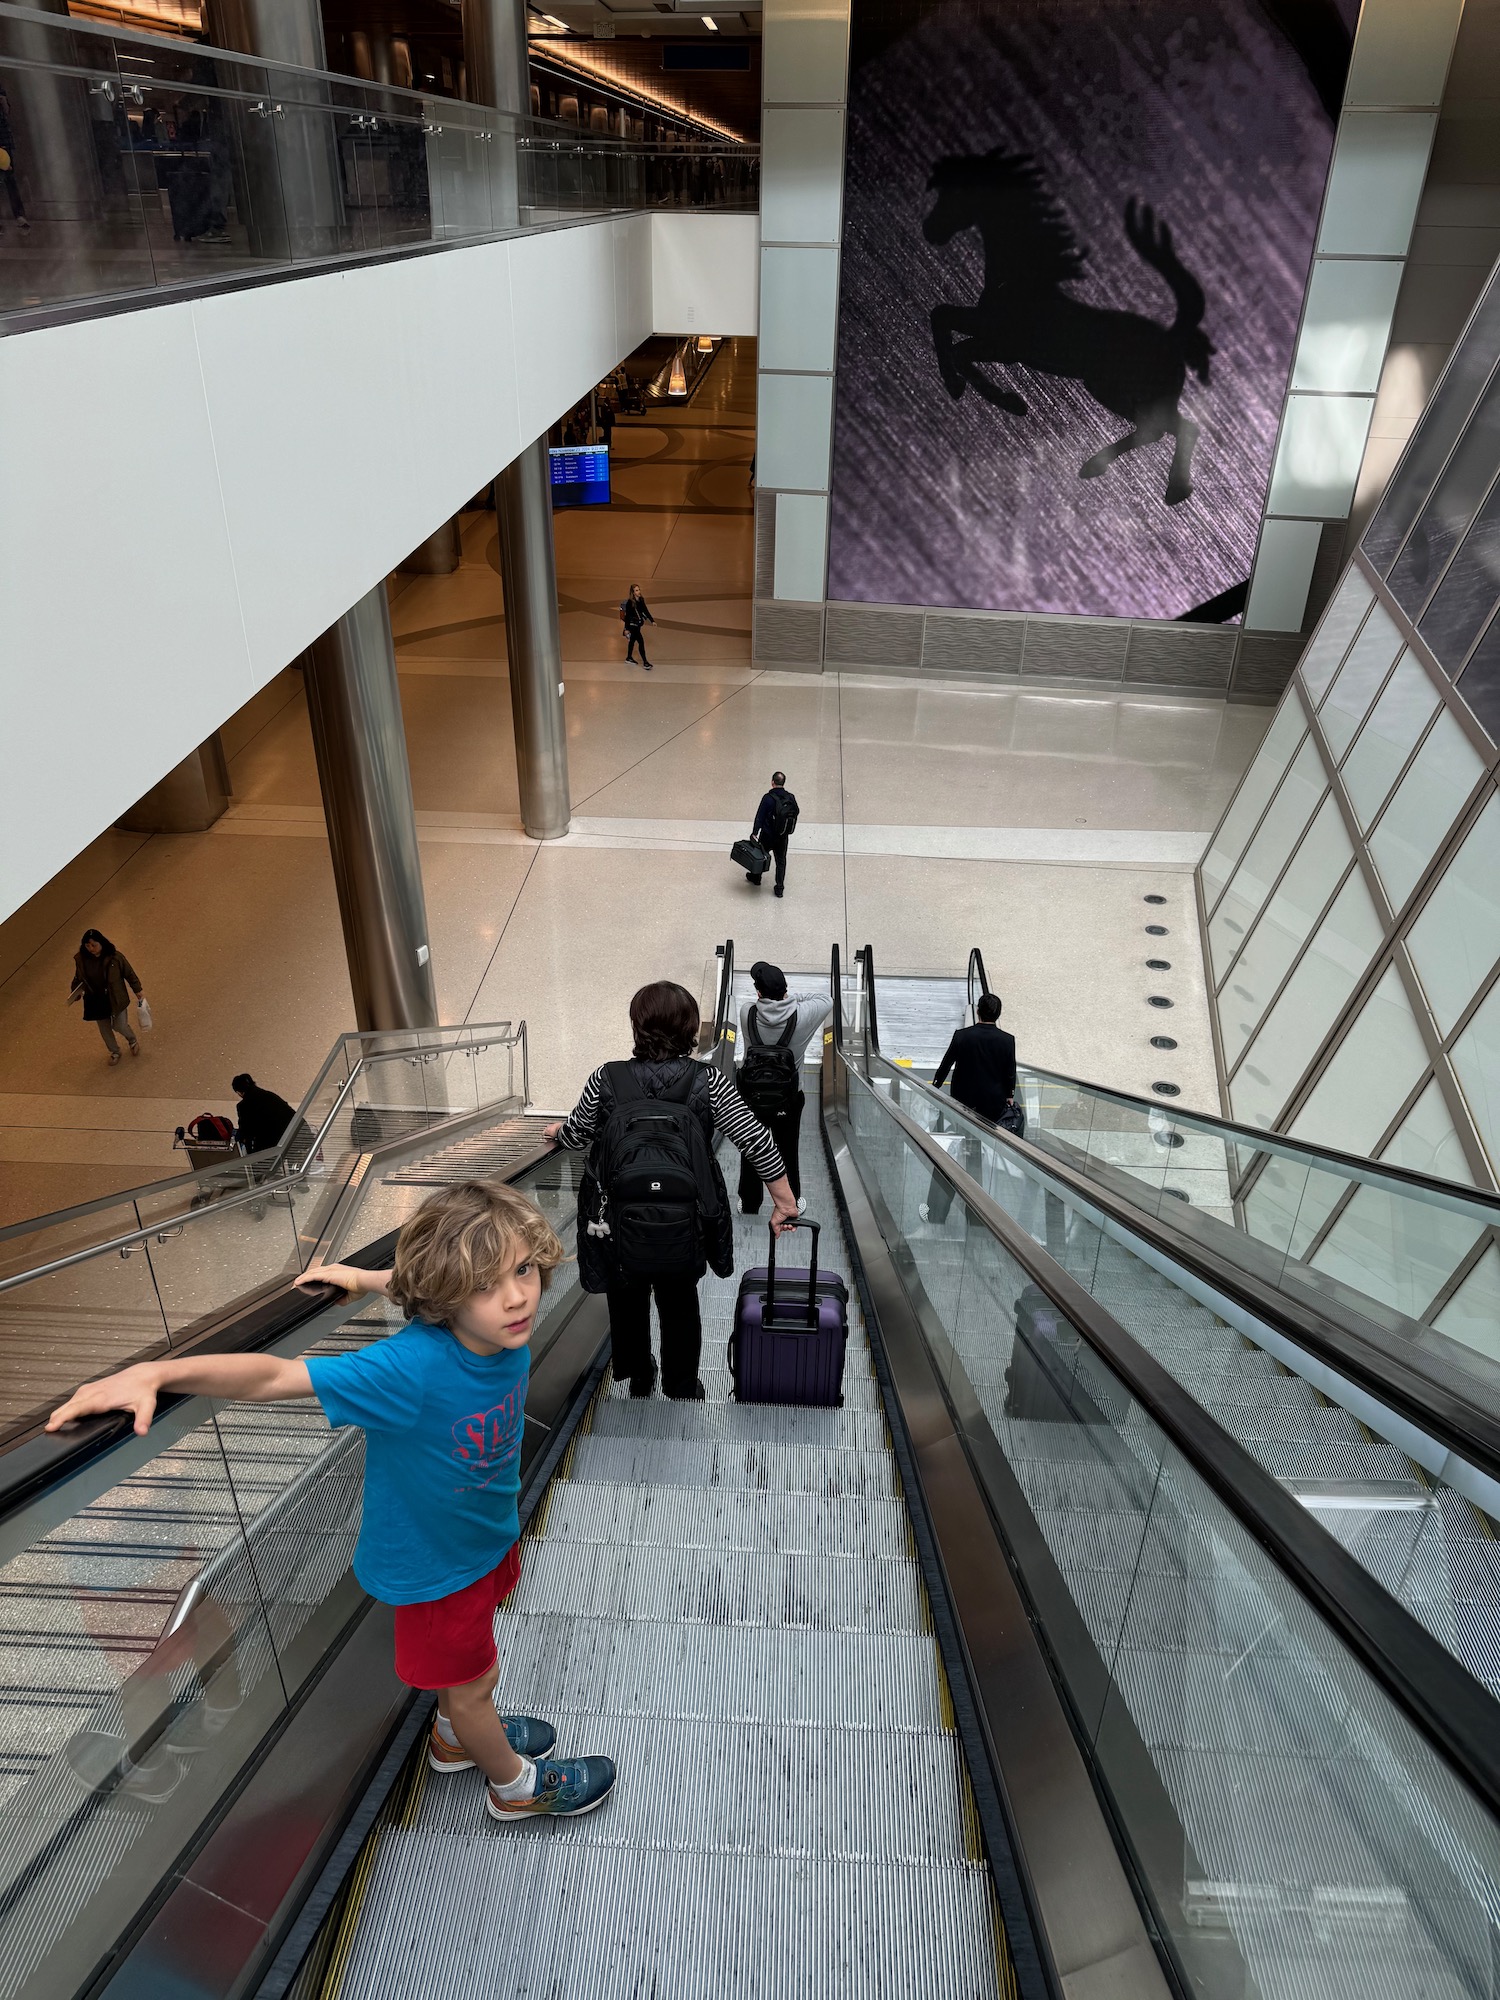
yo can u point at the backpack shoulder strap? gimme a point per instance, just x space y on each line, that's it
752 1028
624 1085
783 1040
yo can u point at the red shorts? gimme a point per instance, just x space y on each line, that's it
451 1641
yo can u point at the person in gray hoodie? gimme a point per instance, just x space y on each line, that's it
771 1069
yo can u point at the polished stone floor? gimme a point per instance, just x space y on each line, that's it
936 816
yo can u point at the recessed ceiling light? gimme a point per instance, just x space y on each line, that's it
710 22
552 21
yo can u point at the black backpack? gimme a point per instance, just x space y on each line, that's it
784 816
768 1078
659 1194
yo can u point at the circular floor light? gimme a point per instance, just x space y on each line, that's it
1163 1042
1167 1089
1158 964
1157 1000
1153 899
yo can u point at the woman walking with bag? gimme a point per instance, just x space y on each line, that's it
653 1211
635 616
104 979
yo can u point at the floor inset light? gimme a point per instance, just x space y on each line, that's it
711 23
677 380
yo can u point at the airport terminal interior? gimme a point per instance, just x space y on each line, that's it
916 519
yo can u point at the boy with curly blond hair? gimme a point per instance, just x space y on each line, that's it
442 1404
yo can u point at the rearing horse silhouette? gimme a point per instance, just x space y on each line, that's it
1130 364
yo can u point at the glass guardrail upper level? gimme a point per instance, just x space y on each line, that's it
146 164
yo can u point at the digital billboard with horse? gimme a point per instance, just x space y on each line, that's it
1076 239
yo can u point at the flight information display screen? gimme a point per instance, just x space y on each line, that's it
580 475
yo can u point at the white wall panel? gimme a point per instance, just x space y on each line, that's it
794 431
1402 50
1318 457
802 176
704 275
1346 324
801 546
312 433
804 51
799 307
1283 574
1375 183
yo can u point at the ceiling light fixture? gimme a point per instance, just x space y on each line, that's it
710 23
552 21
582 64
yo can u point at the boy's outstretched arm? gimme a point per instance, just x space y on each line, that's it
243 1378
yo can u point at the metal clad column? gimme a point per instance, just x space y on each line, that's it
497 71
528 570
354 705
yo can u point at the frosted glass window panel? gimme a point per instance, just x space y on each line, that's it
1320 1197
1301 897
1318 458
801 566
1369 1076
1427 1143
1472 1315
1476 1059
1456 939
1462 602
1457 497
1345 325
1359 680
799 304
1407 704
801 178
1442 420
1396 1249
1330 642
1375 183
1278 833
1327 973
1427 801
1277 748
1479 683
794 429
1283 573
1401 52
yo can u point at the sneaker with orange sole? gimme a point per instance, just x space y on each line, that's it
563 1790
527 1735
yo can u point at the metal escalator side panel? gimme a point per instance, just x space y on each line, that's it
1298 1753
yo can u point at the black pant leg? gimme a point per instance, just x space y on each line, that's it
681 1333
630 1326
751 1187
787 1132
778 848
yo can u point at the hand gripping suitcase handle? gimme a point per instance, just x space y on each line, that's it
802 1222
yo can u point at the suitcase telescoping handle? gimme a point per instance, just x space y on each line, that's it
802 1222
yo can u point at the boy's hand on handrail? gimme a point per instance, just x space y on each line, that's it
550 1132
347 1276
133 1389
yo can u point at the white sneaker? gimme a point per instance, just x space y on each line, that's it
922 1211
801 1204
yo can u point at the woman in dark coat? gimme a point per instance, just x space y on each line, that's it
264 1117
104 979
664 1023
635 616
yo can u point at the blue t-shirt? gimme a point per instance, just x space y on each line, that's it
442 1457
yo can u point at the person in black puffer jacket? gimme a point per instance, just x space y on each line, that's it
664 1017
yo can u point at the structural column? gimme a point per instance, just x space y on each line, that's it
354 705
291 184
497 71
528 570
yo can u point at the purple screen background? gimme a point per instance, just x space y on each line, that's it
1205 113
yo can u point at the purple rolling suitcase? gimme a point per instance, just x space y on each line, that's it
788 1345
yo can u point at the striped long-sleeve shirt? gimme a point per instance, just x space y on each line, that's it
732 1116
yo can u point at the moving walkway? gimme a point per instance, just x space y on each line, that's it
1120 1634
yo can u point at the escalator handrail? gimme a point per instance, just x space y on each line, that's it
866 957
724 1002
1371 1173
491 1031
975 987
1460 1424
34 1461
1450 1708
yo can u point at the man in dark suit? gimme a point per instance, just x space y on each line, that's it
983 1062
775 822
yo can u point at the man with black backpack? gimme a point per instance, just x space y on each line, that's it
775 1030
775 823
653 1213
